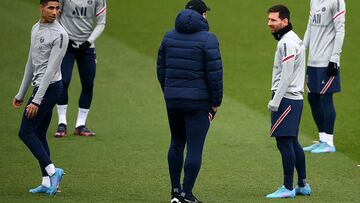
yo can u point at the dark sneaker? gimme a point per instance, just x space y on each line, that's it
175 198
61 131
83 131
184 198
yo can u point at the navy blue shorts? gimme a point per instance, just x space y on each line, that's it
319 82
285 121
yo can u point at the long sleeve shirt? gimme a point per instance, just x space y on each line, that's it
48 47
78 18
288 74
325 32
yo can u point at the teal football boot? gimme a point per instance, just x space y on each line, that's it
306 190
282 192
324 148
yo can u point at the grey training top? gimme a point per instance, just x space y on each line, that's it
288 74
325 32
48 46
77 17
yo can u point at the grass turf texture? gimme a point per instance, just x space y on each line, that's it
126 161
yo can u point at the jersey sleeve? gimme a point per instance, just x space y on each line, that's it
288 54
338 12
58 51
100 15
307 35
28 74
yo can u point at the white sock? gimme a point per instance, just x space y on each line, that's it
329 139
82 116
322 136
61 109
50 169
46 181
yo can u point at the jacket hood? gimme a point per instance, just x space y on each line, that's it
190 21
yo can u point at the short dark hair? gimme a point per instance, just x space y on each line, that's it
283 11
45 2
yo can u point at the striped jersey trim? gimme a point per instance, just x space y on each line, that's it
282 117
327 85
339 14
101 11
288 58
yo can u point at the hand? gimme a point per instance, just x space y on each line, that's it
16 103
84 45
272 107
332 69
212 113
31 110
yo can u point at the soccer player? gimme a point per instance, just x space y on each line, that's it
324 38
189 69
48 46
77 17
287 101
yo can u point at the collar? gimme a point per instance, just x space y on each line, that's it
279 34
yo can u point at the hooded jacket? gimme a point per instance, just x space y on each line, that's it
189 66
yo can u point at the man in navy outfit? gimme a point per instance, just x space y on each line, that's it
189 69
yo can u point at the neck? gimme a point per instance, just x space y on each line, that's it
279 34
42 20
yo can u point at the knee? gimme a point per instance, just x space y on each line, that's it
177 145
193 162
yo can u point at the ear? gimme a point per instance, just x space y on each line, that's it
205 15
286 21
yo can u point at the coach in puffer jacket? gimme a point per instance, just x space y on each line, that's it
189 64
189 69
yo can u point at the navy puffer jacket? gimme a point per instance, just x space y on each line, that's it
189 66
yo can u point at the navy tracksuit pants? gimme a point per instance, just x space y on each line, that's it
188 128
292 156
323 111
86 62
33 130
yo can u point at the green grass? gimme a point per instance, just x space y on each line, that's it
126 161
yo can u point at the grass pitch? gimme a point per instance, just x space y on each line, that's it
126 161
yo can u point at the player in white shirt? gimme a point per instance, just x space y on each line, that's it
287 101
324 38
78 18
